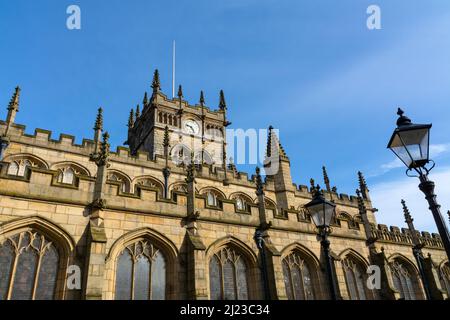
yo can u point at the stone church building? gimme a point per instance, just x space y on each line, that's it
149 221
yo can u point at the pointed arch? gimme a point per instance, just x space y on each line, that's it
405 277
148 181
405 259
40 163
232 270
298 246
301 273
54 231
179 186
119 177
236 243
242 201
354 267
213 197
168 256
51 243
79 169
242 194
355 254
218 192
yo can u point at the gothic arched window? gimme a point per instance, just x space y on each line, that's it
212 199
445 277
28 267
240 204
19 167
228 276
355 278
297 278
403 280
141 273
13 168
66 176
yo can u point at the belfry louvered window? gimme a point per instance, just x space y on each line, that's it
28 267
355 278
228 276
141 273
403 281
297 278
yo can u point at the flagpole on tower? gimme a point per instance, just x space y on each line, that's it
173 70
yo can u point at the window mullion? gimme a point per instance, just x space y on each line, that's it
292 283
236 289
132 278
14 268
222 281
150 290
36 276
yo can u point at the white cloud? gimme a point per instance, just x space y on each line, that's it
386 197
436 150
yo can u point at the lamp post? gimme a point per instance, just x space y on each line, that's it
322 212
410 143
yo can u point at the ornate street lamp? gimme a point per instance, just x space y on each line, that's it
410 143
322 213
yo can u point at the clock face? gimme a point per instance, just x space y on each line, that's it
191 127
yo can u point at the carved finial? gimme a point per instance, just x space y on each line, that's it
180 92
14 102
156 85
190 174
363 185
166 137
101 158
105 144
145 100
99 120
222 103
259 183
312 184
131 119
274 147
326 179
202 98
138 112
402 119
361 205
408 218
269 143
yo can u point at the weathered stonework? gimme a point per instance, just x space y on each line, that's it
93 218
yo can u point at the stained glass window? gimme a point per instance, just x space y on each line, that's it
403 280
445 277
228 276
355 278
141 273
297 278
28 267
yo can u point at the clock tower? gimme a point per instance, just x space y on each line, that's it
193 130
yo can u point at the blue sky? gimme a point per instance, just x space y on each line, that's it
312 69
